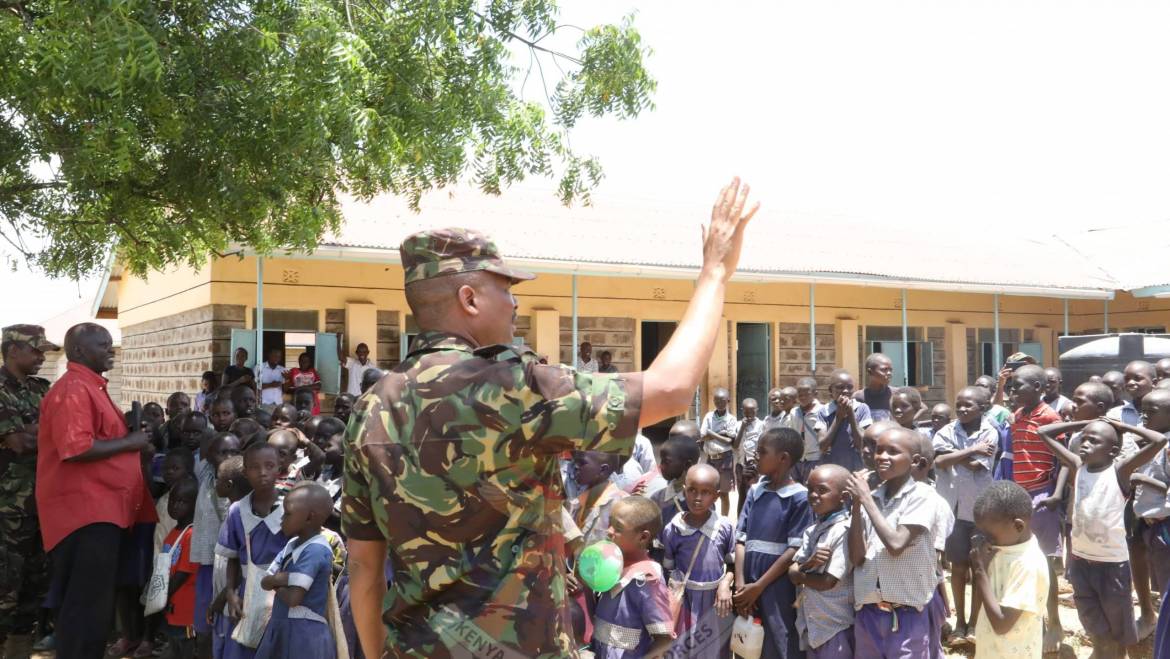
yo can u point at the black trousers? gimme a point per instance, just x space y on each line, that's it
85 568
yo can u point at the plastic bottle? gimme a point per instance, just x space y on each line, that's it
747 637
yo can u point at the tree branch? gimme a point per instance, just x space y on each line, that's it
11 190
529 42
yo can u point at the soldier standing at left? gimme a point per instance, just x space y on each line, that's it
24 572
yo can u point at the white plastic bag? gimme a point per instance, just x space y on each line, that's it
747 637
154 596
257 604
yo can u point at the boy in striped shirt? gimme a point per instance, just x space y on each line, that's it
1033 464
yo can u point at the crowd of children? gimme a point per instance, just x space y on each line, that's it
854 512
248 501
851 514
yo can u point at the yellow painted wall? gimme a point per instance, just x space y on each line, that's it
1125 312
162 294
320 284
364 288
361 326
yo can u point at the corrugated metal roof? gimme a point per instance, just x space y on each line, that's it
1133 255
532 224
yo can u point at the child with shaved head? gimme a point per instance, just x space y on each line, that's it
1033 468
1099 569
1147 535
699 546
843 419
598 494
803 419
1010 574
717 433
821 566
633 618
301 576
890 544
1138 380
964 460
768 536
751 426
677 455
879 370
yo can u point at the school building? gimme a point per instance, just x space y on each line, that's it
813 294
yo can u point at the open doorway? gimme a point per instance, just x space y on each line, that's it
655 335
753 363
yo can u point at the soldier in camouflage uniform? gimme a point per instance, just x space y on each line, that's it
451 458
23 566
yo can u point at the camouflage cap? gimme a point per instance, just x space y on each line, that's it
439 252
34 335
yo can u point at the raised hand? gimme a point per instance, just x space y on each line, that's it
723 238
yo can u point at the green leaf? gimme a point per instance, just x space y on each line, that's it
177 129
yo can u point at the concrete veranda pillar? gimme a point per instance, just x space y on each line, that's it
846 346
955 344
719 368
546 333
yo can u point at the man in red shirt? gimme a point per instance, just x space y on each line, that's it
90 488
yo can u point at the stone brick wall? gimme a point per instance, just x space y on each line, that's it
605 333
388 339
54 366
335 323
524 330
937 392
114 375
171 353
795 353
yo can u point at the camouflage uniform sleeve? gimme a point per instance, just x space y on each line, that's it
11 418
590 411
357 510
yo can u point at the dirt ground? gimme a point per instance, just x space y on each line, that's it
1075 644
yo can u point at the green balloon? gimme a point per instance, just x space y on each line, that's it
600 565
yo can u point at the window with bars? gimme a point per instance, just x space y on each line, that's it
915 364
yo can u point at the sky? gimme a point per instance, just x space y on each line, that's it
1005 116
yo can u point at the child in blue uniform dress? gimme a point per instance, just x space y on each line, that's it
699 544
301 576
770 532
256 516
633 618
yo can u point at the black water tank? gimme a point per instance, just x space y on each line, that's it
1094 354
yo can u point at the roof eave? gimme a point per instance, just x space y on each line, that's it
103 282
552 266
1152 291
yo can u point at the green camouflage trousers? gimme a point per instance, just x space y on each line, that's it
24 574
